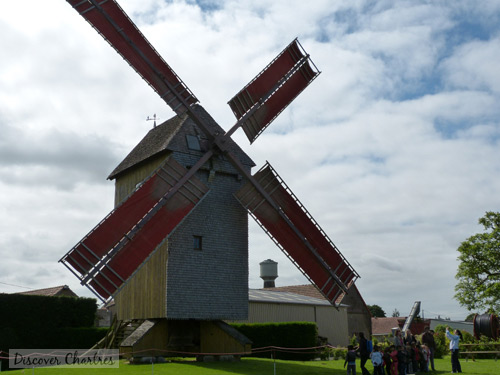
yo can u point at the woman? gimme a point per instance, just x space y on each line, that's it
454 340
409 339
398 339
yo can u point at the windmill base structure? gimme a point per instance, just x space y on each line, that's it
173 253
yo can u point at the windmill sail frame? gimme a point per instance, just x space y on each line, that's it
104 258
293 229
108 268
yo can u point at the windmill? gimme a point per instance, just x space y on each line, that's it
141 236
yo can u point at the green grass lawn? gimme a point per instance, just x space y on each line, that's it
254 366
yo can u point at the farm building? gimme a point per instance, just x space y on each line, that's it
358 317
57 291
273 306
385 327
454 324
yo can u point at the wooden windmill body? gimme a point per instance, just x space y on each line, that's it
201 270
175 247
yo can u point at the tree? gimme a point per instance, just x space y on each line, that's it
470 317
376 311
478 273
395 313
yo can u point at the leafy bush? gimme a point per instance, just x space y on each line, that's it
340 353
326 353
441 344
468 338
440 328
354 340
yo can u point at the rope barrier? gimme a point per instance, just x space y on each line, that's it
265 349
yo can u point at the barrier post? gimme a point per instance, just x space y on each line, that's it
274 358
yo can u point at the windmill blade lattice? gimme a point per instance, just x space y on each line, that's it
297 234
106 257
109 19
272 90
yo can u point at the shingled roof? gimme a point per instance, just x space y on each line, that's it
167 137
303 290
310 290
57 291
384 326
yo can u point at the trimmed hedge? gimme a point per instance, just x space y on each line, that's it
41 322
34 311
283 335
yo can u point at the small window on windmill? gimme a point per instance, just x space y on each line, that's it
197 243
193 142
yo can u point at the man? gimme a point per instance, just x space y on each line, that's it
364 354
428 339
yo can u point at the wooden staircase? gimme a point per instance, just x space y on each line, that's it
117 332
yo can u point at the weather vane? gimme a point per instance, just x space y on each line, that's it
153 119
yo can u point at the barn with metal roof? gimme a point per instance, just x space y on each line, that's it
273 306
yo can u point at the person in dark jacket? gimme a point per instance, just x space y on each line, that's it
428 339
401 360
409 339
387 360
364 354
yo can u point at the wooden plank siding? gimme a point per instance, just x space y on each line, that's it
126 183
144 295
215 340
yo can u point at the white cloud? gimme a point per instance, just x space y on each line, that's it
473 66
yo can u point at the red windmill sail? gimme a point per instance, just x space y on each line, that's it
106 257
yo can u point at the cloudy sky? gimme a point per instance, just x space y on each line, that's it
394 148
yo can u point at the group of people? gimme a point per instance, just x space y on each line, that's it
405 356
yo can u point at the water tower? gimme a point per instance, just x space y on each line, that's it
269 272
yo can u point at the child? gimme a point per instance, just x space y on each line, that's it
394 358
410 359
426 354
418 357
377 361
350 360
